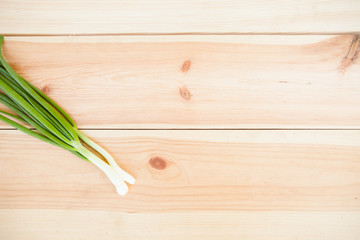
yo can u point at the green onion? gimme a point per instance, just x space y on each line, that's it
39 116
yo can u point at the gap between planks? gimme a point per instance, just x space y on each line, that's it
182 34
206 129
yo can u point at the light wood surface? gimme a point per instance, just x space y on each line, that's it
189 170
190 183
178 16
196 81
44 224
168 87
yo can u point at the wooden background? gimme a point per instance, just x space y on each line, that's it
239 119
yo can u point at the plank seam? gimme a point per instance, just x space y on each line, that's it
207 129
182 34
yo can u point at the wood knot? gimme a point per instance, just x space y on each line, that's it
45 89
351 54
157 163
186 66
185 93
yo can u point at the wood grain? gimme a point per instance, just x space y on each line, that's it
189 171
186 66
44 224
177 16
196 81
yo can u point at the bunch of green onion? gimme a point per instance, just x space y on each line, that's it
36 114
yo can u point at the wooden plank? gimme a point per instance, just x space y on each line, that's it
196 81
92 225
189 171
178 16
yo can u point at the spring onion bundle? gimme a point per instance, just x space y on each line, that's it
50 123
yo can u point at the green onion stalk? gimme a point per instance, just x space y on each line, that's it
35 114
